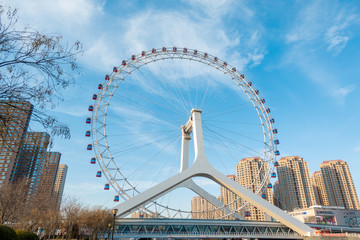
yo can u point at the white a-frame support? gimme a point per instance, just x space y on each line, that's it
201 167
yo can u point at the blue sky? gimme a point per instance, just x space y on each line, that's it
303 56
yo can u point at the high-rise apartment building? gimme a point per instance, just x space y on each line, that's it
14 121
47 180
319 189
229 198
31 160
277 195
142 214
60 183
251 173
339 184
203 209
23 155
295 186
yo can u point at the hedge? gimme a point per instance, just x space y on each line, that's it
7 233
26 235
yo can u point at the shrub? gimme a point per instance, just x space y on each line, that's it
26 235
7 233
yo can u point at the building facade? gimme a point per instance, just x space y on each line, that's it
319 189
229 198
14 121
60 183
277 195
251 173
31 160
339 185
48 176
23 154
295 188
330 215
203 209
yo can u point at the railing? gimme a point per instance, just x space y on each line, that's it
120 234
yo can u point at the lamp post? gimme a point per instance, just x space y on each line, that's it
114 212
108 232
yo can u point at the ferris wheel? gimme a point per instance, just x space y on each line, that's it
139 111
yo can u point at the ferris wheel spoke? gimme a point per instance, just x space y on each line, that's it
226 139
164 83
217 156
152 114
231 122
187 83
139 133
154 156
221 143
175 110
174 107
236 133
204 96
216 98
131 147
165 164
169 98
225 111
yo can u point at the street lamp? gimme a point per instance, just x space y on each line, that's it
114 212
109 231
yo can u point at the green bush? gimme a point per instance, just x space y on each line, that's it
7 233
26 235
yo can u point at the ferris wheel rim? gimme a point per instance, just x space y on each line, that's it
99 139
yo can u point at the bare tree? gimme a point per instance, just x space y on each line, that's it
13 201
71 213
35 214
50 221
96 221
35 67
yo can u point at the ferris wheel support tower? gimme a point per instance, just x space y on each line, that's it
202 168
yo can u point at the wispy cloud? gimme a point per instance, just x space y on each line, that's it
307 26
76 111
331 25
319 74
344 91
173 28
199 25
214 9
322 29
338 34
66 15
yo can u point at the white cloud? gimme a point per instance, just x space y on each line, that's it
156 29
337 35
74 20
344 91
171 28
64 14
337 43
319 28
216 9
308 25
255 57
100 54
199 24
324 24
319 74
